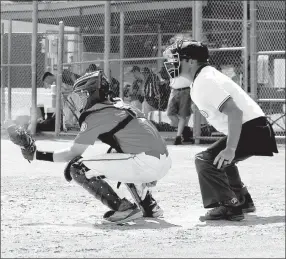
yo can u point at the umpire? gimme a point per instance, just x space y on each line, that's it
231 111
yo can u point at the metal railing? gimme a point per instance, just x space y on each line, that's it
124 36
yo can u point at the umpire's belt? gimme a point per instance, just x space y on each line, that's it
181 89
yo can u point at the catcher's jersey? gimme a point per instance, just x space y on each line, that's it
211 89
139 135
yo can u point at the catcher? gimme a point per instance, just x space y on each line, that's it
141 157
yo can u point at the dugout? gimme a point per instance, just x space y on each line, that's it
143 21
148 26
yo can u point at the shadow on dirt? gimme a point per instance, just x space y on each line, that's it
47 224
137 224
250 220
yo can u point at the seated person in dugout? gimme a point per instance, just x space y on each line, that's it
70 115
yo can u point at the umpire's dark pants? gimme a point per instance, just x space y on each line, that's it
257 139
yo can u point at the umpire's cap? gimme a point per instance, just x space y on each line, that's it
191 49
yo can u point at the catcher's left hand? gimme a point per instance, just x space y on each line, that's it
20 137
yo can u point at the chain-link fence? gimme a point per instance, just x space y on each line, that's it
16 73
224 30
147 28
138 33
271 62
134 41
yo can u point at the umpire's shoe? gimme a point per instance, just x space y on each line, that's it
247 204
245 199
229 210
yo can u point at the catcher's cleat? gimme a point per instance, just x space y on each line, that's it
244 199
229 210
151 207
125 205
248 204
121 217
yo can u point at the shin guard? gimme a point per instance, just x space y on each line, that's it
134 193
99 188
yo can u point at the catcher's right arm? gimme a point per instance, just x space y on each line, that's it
20 137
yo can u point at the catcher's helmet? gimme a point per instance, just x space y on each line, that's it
184 49
92 88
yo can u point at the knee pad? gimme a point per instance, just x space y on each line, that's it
77 173
203 158
201 163
96 186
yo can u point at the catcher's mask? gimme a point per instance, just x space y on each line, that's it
172 64
92 88
183 49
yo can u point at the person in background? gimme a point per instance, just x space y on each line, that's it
126 93
91 68
151 92
179 105
114 86
68 79
164 88
69 100
237 74
137 88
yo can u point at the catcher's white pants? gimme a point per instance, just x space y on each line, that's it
128 168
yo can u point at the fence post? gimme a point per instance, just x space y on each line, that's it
253 50
47 67
34 68
121 55
2 77
107 16
80 43
9 69
59 78
78 46
197 34
159 63
246 46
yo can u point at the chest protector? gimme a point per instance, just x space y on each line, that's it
109 137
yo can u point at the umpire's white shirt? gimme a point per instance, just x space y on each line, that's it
180 82
211 89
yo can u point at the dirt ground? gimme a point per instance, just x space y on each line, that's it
42 215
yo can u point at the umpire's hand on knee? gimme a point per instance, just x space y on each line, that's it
225 157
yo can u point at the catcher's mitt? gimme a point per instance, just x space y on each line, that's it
20 137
